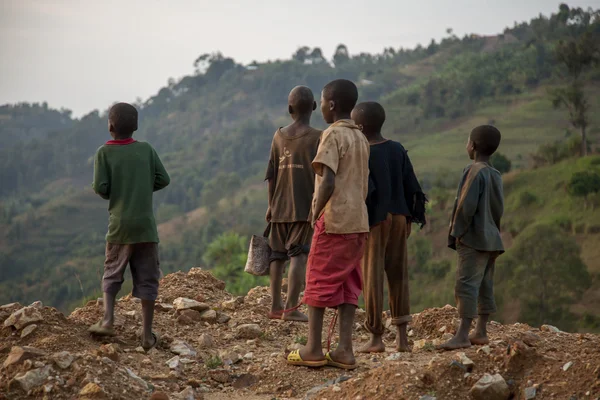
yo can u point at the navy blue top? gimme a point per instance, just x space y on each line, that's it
393 185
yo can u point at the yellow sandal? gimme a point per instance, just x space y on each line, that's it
336 364
294 359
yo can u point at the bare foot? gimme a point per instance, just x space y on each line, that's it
402 341
342 357
306 355
478 339
375 345
454 343
295 316
275 314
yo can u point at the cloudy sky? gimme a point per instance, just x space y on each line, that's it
84 54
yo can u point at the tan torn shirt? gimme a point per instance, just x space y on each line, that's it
345 150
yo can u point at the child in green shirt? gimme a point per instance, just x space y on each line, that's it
126 173
475 235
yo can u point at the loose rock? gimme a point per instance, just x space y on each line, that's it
220 375
33 378
530 393
182 348
490 387
394 357
110 351
19 354
92 390
183 303
549 328
466 361
28 330
209 316
63 360
23 317
249 331
173 363
567 366
205 341
136 378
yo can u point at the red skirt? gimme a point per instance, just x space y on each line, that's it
334 272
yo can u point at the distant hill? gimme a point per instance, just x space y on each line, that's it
214 127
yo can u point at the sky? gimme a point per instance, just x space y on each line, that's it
85 55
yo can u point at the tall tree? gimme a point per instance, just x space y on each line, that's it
341 55
301 55
576 55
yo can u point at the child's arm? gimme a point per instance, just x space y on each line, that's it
470 204
325 165
324 193
101 184
161 177
270 178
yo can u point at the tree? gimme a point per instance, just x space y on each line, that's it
301 55
548 274
501 163
316 56
341 55
583 184
576 56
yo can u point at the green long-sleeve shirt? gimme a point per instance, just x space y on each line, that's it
476 222
127 173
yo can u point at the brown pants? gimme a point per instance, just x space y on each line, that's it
145 271
474 289
386 251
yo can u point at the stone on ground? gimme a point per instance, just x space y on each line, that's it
490 387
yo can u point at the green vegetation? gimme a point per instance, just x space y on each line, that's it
213 129
545 271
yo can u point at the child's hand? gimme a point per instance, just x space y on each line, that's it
268 216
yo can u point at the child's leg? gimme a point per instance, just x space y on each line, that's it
276 275
145 272
117 258
469 275
396 269
486 304
343 353
313 351
296 278
372 267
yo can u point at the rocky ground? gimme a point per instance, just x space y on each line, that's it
216 346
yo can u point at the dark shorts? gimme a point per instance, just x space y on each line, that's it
289 240
145 271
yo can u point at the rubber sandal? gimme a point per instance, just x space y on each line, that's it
336 364
156 340
98 330
294 359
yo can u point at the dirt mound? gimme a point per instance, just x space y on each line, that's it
218 346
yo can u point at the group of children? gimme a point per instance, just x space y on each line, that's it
341 206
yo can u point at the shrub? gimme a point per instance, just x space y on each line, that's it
501 163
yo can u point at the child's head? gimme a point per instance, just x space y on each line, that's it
338 98
483 140
301 102
122 120
369 116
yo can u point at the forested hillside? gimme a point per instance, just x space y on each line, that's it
214 127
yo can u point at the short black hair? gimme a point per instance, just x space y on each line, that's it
343 92
123 118
370 115
301 99
486 139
